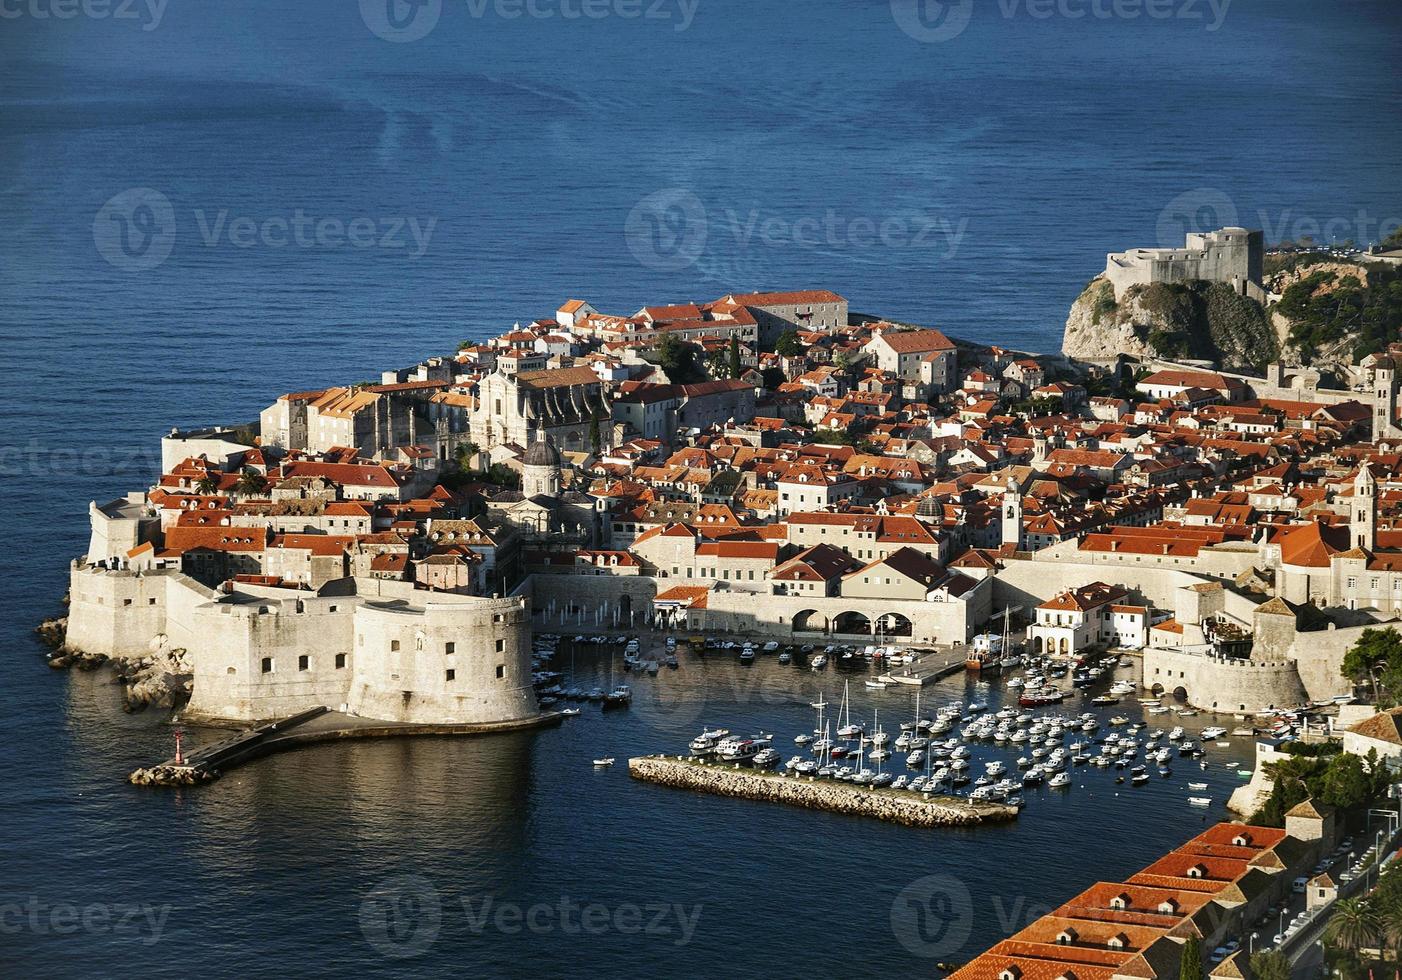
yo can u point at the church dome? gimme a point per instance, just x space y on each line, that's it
541 453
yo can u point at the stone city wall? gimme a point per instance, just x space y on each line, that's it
391 653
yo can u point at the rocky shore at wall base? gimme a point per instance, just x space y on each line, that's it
893 806
161 679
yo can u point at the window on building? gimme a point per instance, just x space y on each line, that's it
501 646
267 665
450 647
340 661
394 644
501 671
303 662
451 674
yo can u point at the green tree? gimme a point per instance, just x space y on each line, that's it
1346 782
788 344
596 438
1353 925
1270 965
208 484
1389 910
251 482
735 368
503 476
678 359
466 456
833 437
1190 962
1377 652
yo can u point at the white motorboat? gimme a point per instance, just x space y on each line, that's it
603 763
1060 780
916 758
1200 800
802 739
1197 786
736 748
1212 733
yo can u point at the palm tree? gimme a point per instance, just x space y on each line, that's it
251 482
207 485
1353 925
1390 921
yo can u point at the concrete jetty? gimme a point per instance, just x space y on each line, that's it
895 806
208 762
926 669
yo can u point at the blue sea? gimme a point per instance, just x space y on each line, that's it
205 204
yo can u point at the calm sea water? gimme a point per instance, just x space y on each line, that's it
175 204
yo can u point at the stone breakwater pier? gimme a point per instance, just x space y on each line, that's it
895 806
207 763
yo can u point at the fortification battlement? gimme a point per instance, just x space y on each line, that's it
260 651
1229 255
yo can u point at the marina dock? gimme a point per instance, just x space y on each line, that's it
926 670
894 806
208 762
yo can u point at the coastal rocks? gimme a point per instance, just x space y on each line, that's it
890 805
53 631
1197 319
1095 331
163 680
172 776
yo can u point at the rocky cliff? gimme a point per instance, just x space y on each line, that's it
1191 319
1330 313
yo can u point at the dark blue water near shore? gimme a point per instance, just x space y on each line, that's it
1002 164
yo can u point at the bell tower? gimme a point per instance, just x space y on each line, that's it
1012 515
1364 516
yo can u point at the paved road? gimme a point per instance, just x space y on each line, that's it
1303 947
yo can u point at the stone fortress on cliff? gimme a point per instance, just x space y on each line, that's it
1234 256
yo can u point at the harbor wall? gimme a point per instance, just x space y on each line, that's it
950 623
1223 683
387 652
750 613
